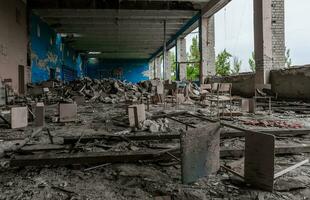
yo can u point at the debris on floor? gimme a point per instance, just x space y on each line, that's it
105 139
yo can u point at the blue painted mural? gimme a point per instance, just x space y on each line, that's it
130 70
50 55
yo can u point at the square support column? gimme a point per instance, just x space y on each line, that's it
263 40
151 70
207 48
167 66
157 64
181 58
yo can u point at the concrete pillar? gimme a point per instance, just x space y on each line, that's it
278 33
207 48
151 70
167 66
263 40
157 63
181 57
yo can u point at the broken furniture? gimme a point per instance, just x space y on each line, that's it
259 157
170 91
222 97
205 89
136 115
259 161
67 112
261 95
200 149
158 91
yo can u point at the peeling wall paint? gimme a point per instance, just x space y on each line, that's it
49 52
130 70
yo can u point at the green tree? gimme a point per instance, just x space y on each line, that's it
194 56
288 59
222 63
236 65
252 62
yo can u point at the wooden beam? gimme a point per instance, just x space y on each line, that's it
85 139
277 133
287 170
86 158
280 150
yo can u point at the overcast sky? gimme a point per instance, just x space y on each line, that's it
234 30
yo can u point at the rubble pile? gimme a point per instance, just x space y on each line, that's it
86 89
160 125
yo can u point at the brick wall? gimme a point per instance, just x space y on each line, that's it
278 33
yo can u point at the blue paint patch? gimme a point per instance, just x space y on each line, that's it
49 52
127 70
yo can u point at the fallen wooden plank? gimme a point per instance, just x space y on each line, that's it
283 150
43 147
287 170
172 114
86 139
21 144
86 158
278 133
161 136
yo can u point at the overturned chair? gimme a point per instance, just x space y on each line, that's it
220 95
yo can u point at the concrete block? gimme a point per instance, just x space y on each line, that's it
252 106
19 117
245 103
40 115
200 149
136 115
67 112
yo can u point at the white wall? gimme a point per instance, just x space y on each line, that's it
13 39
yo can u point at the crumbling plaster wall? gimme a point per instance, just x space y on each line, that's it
289 84
49 52
243 84
130 70
13 40
293 83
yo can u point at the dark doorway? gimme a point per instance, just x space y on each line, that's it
52 74
21 79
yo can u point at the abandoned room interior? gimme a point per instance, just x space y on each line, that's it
108 99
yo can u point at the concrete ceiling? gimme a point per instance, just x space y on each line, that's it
135 30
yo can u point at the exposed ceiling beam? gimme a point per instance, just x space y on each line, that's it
119 22
213 7
117 4
116 14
